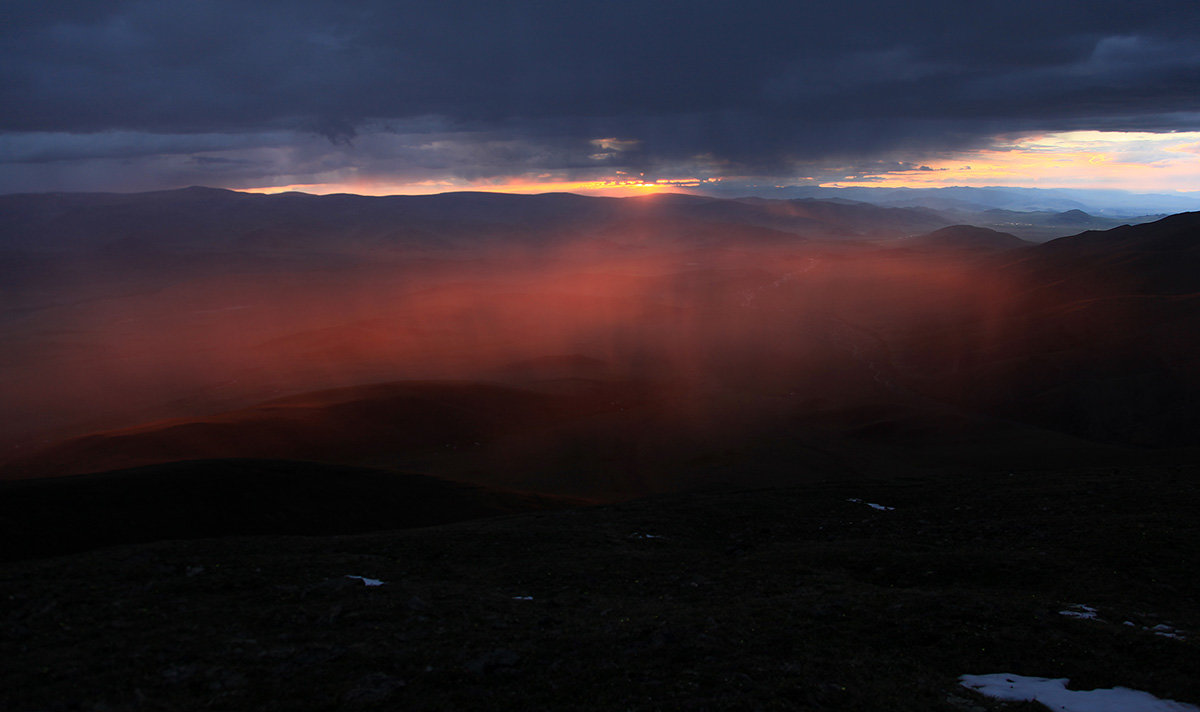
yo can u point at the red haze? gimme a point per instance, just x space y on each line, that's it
721 340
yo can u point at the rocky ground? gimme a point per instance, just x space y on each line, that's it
848 595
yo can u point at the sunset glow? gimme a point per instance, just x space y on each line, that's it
616 187
693 355
1125 160
1130 160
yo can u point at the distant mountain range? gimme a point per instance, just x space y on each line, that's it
586 346
965 200
212 219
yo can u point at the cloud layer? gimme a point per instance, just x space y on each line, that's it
138 95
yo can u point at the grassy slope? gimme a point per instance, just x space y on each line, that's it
767 599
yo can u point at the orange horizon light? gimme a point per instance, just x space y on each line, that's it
608 188
1123 160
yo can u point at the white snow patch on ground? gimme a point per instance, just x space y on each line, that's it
1167 631
1053 693
1162 629
366 581
1079 610
872 505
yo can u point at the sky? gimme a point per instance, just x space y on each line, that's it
612 97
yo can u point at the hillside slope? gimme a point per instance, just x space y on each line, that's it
795 598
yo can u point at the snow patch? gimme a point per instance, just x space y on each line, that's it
1079 610
366 581
1085 612
1053 693
872 505
522 598
1167 631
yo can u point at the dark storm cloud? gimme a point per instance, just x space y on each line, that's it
753 87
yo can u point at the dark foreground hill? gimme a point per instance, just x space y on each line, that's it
846 595
208 498
354 424
603 440
1104 341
